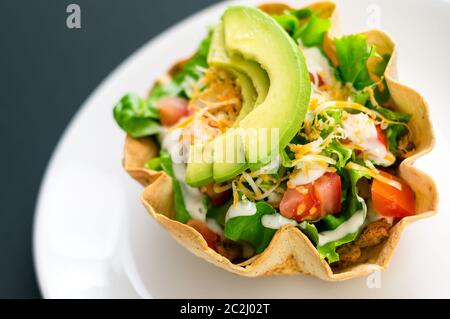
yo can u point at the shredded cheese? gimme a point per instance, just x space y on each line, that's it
374 174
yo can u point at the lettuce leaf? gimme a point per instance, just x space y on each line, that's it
250 228
393 133
181 213
328 250
304 25
154 164
312 33
341 154
353 51
218 212
135 116
350 205
139 117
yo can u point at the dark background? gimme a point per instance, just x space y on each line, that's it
46 72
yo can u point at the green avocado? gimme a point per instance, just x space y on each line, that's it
219 57
255 36
251 35
199 171
258 37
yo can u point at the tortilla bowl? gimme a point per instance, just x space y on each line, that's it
290 251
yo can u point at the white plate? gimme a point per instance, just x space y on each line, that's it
93 238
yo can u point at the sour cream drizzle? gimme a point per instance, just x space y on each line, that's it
348 227
276 221
361 130
242 208
192 196
308 173
318 64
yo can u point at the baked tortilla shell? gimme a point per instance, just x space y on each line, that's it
290 251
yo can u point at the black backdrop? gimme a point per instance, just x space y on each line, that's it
46 72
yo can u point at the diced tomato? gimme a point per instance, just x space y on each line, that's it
313 200
328 190
382 137
217 199
210 236
300 203
172 109
389 201
319 78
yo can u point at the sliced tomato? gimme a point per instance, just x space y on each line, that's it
382 137
209 236
172 109
389 201
328 190
217 199
313 200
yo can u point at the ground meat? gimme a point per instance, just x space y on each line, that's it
371 235
374 233
348 254
228 248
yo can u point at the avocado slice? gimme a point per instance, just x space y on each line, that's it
228 156
252 35
200 171
219 57
255 36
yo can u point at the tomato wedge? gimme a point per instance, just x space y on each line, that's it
209 236
389 201
328 190
313 200
172 109
382 137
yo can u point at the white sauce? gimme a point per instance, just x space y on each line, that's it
214 226
307 173
192 196
349 226
361 130
271 168
242 208
276 221
318 64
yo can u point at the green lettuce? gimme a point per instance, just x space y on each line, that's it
218 212
310 31
353 51
350 206
136 117
181 213
250 228
139 117
154 164
339 153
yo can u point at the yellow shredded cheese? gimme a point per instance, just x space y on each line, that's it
374 174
